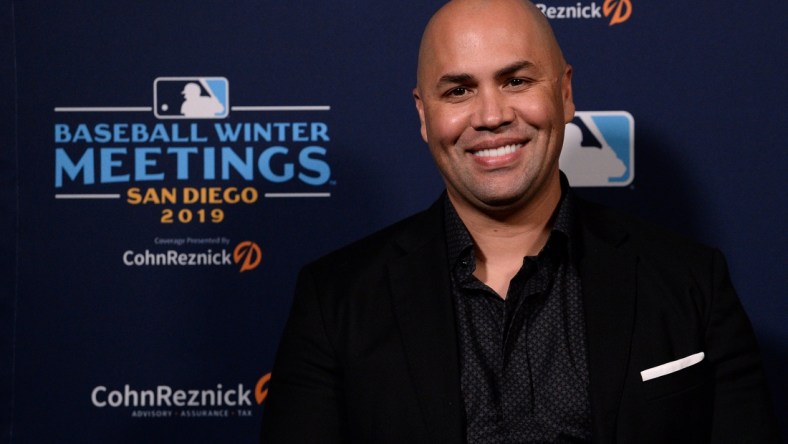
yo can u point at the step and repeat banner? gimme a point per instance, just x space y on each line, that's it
167 167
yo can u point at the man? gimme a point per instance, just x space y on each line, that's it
510 311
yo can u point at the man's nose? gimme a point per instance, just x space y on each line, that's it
492 111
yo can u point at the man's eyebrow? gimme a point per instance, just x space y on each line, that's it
513 68
455 79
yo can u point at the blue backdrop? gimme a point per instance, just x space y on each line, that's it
148 258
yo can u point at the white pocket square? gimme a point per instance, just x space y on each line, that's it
671 367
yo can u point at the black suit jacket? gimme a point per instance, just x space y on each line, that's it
369 353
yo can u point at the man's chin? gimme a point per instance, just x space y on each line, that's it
501 204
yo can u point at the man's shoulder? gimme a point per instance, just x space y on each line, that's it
638 235
381 246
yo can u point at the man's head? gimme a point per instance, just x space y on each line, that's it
493 95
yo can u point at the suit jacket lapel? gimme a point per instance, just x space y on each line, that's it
607 272
420 288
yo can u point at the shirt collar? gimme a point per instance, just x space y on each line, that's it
459 241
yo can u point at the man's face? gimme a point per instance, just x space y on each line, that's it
493 96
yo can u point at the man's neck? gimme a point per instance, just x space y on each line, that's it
502 240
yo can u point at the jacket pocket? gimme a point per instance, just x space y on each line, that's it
684 380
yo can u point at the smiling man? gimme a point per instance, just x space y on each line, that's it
510 311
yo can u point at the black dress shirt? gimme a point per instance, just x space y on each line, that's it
523 364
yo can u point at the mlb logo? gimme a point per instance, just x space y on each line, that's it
191 97
599 149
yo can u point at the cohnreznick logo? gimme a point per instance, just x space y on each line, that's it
261 388
616 11
165 401
246 254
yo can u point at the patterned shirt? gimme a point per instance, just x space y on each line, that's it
523 364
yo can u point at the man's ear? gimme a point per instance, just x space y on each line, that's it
420 109
566 94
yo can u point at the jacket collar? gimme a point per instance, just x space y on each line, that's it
607 271
420 288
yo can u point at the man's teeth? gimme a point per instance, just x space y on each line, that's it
506 149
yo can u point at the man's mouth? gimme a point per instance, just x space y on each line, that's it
500 151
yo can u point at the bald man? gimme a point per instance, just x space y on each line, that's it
510 311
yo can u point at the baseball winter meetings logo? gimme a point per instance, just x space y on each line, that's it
192 156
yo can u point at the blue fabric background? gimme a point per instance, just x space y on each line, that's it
705 84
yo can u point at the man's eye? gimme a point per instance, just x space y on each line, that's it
517 82
457 92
